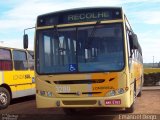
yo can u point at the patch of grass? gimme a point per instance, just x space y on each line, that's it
151 70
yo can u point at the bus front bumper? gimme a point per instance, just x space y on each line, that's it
120 101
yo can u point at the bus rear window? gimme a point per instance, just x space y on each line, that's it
5 60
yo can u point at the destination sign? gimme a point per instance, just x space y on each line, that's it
80 15
88 16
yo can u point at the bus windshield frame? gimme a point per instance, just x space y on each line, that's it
82 58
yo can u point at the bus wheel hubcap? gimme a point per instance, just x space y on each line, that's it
3 98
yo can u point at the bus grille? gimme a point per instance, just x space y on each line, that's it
80 102
80 81
83 93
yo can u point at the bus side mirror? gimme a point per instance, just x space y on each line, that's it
25 41
133 42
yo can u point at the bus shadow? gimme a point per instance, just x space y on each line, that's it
101 111
72 117
22 99
97 114
84 114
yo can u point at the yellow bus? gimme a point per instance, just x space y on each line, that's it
16 74
87 57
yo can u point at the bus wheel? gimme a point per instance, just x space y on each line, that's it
131 109
140 93
4 98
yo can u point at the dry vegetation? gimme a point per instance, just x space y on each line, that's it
151 76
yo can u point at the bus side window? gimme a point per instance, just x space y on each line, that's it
5 60
20 60
129 49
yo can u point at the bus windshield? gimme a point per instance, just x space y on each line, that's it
77 49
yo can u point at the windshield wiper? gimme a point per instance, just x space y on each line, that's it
59 43
56 32
90 38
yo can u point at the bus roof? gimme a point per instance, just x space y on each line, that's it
76 15
79 9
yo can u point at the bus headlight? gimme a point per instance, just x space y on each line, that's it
49 94
42 93
45 93
112 92
120 91
117 91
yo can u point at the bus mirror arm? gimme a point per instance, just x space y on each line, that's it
25 38
32 55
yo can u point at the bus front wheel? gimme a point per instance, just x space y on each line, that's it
4 98
140 93
131 108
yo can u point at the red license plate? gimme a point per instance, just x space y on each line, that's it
113 102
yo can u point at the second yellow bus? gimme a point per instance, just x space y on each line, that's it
16 74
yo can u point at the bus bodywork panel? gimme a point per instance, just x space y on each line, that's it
136 75
20 82
80 87
44 102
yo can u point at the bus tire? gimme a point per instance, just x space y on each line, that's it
4 98
140 93
130 109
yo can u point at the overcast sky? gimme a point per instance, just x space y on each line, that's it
143 15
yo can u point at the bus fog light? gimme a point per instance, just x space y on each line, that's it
58 103
126 88
49 94
120 91
99 102
112 92
42 93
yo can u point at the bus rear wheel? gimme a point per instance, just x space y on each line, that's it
4 98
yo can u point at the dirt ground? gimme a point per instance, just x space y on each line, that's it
148 103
